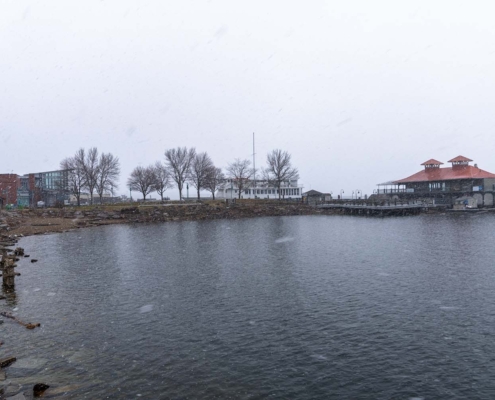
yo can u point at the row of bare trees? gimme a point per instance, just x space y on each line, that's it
92 171
154 178
279 171
184 166
98 173
181 166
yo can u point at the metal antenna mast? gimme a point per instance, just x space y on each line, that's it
254 162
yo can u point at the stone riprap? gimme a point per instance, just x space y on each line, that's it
39 221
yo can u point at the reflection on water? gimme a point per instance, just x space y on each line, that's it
296 307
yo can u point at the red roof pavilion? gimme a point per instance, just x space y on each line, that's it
460 170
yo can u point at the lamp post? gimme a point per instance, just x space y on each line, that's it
341 193
357 192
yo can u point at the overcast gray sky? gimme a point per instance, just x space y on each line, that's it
359 92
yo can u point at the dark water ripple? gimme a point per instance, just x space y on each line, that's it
297 307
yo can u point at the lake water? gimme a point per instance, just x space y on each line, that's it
310 307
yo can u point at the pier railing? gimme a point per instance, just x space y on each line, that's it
379 203
380 208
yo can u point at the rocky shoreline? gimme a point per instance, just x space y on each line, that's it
41 221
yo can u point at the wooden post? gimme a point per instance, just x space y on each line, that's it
7 266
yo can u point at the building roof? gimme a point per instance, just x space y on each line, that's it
312 193
446 174
432 161
460 159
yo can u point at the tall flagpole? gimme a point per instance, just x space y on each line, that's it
254 161
254 168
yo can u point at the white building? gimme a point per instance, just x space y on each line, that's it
260 189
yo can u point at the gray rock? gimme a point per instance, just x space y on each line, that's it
19 396
30 363
11 389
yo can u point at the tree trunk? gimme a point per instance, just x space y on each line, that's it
198 194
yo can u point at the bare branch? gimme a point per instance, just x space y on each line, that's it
142 180
279 169
200 167
214 178
90 168
76 176
179 164
163 181
240 172
108 174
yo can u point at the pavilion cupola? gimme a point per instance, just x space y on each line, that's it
432 163
460 161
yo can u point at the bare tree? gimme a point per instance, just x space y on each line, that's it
279 169
76 175
142 180
90 168
108 174
214 178
163 180
240 172
179 164
200 168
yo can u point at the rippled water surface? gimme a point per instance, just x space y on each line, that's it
295 307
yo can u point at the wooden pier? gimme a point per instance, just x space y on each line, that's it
382 210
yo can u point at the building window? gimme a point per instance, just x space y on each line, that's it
435 185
